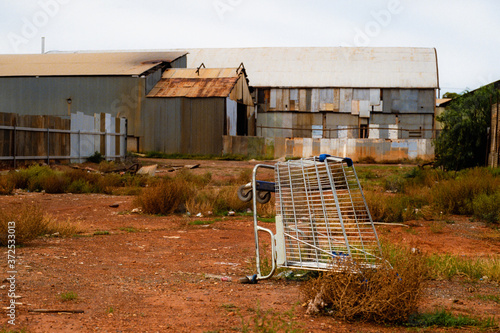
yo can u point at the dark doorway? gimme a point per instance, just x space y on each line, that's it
241 120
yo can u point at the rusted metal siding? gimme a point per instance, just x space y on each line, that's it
379 149
408 100
203 82
202 125
193 87
184 125
344 110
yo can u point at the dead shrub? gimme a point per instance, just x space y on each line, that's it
227 199
382 295
267 210
165 197
191 178
30 223
203 201
6 185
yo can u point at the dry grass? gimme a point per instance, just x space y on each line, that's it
30 223
6 185
165 197
227 199
384 295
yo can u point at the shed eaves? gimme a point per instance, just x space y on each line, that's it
81 64
359 67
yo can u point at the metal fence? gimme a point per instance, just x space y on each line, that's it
50 138
374 131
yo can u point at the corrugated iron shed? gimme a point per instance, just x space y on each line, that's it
360 67
83 64
200 83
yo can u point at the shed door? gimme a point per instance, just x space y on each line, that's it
241 120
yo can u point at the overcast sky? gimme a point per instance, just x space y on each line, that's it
465 33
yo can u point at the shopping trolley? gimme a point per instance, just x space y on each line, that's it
322 219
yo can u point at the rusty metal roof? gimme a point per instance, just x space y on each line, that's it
78 64
357 67
191 82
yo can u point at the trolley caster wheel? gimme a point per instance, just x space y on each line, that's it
263 197
250 279
244 193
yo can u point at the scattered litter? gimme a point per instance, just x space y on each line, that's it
227 263
231 213
148 170
136 210
191 166
218 277
199 215
172 237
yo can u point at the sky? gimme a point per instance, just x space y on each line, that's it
465 33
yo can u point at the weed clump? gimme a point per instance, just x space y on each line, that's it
354 292
30 223
165 197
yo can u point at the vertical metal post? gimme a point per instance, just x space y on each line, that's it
14 142
79 147
48 146
105 143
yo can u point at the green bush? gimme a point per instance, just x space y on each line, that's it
487 207
96 158
455 196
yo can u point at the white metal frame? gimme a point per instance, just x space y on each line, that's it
322 219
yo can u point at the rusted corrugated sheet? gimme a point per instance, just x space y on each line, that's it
193 87
73 64
203 83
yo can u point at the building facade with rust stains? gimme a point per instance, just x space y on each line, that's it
338 93
190 110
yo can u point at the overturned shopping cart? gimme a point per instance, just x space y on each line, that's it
322 220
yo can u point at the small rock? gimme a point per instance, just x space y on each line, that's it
115 205
136 210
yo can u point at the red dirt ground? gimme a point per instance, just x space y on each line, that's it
165 276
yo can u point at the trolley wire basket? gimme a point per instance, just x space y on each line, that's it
322 219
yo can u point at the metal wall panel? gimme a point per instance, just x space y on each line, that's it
345 100
408 101
119 96
202 126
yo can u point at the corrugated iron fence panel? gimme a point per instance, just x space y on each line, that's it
35 138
